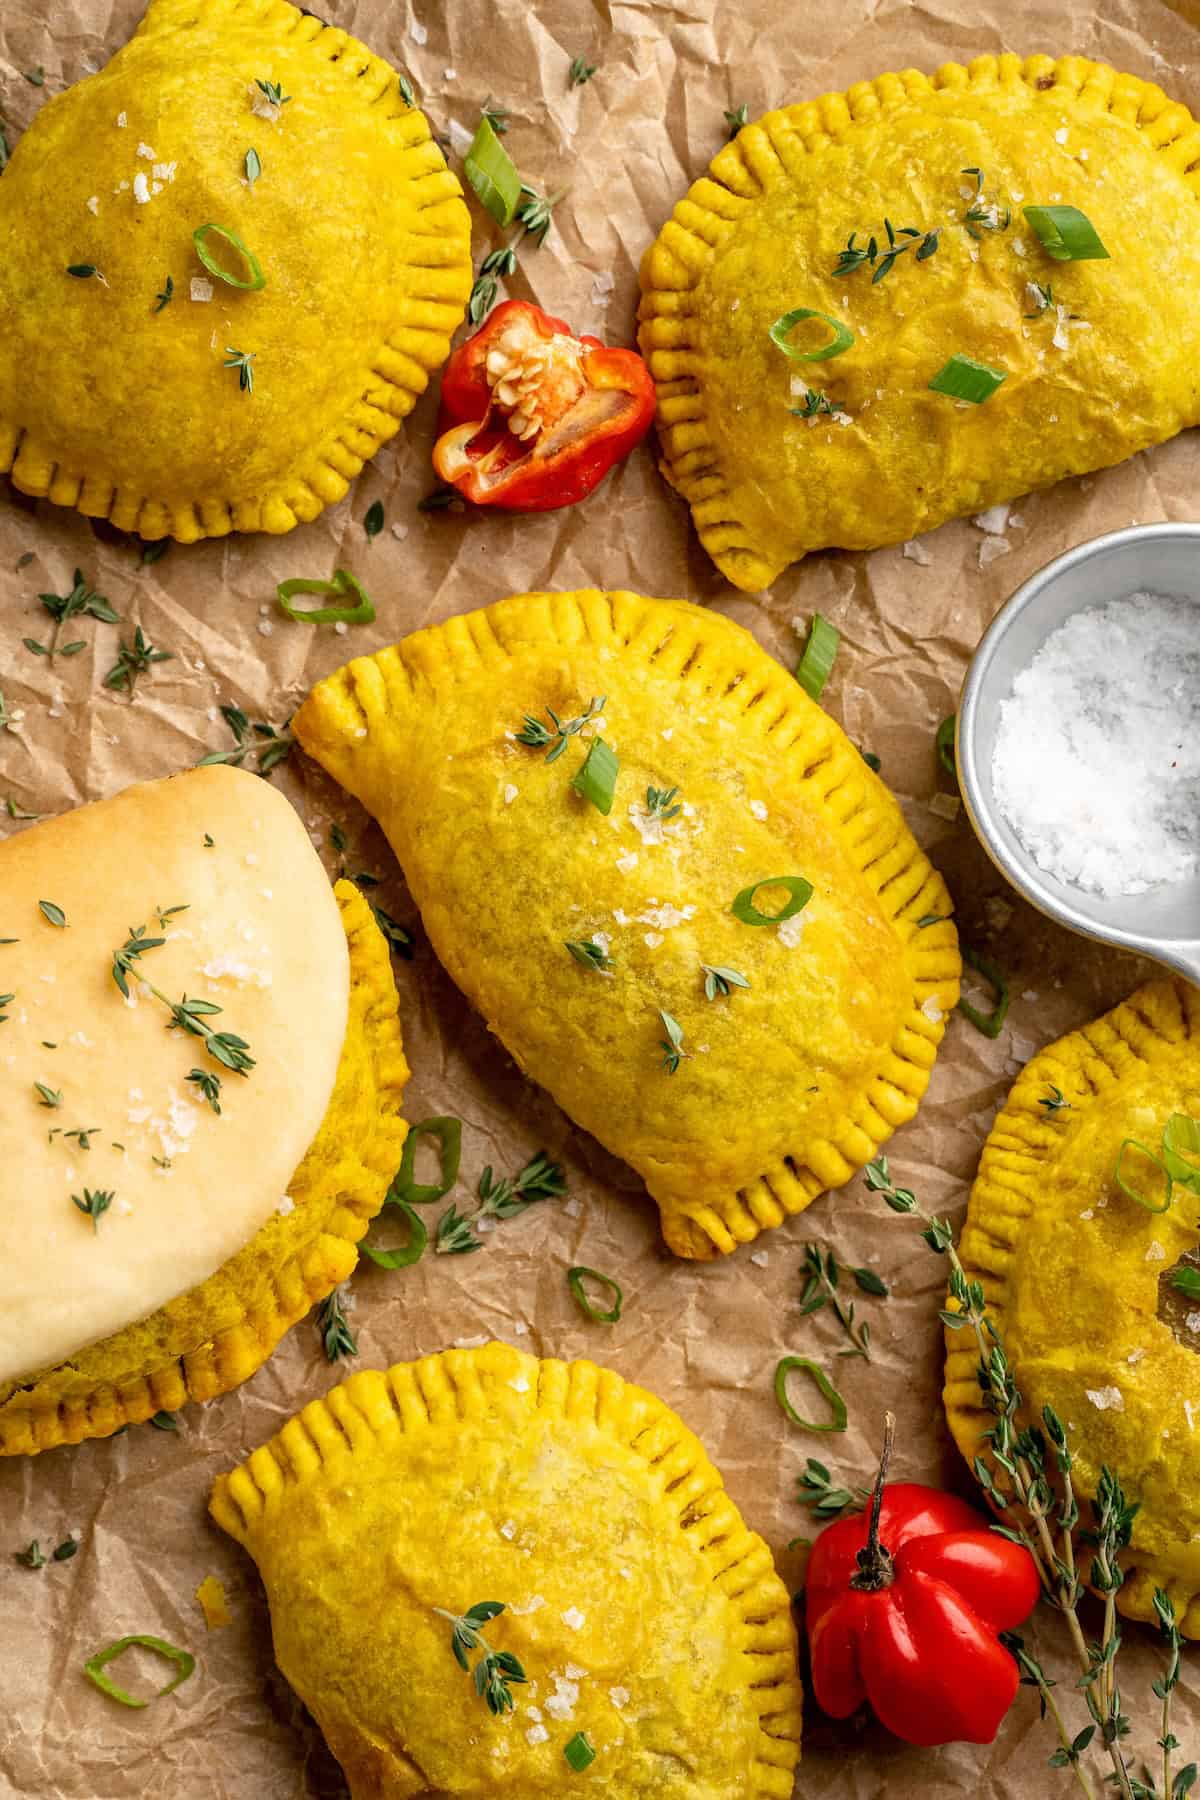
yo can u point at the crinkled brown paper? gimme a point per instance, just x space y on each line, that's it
706 1338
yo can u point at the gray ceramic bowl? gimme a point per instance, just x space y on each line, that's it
1165 922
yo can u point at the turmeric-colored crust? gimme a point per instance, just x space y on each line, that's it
1070 1268
786 1088
761 234
213 1338
127 411
642 1610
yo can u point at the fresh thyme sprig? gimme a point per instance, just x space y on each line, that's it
134 660
591 954
187 1014
1041 298
816 405
1054 1101
1036 1496
823 1276
661 803
534 210
984 215
815 1488
165 294
735 120
496 266
209 1086
271 743
503 1198
274 92
720 982
899 240
336 1334
242 361
557 733
94 1204
672 1045
81 602
496 1669
580 71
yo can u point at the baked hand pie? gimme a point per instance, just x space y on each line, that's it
1079 1276
885 308
232 260
568 1534
201 1075
667 880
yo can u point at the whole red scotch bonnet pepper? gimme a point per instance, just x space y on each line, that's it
903 1608
533 417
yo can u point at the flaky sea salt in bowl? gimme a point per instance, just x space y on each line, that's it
1078 741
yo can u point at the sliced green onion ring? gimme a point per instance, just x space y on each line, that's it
579 1753
1132 1192
407 1254
813 669
596 776
962 378
1180 1143
361 613
837 1406
257 278
799 895
944 744
448 1133
493 175
1065 233
576 1278
95 1666
840 342
990 1024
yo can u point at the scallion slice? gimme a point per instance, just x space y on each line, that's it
579 1753
95 1666
576 1278
1132 1192
596 776
944 744
962 378
799 895
1065 233
837 1406
448 1133
361 613
1180 1143
781 329
990 1024
493 175
812 671
257 278
407 1254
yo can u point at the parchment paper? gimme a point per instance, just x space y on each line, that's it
707 1339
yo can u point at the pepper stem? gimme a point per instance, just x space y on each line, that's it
874 1560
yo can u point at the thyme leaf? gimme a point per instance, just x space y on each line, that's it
589 953
133 660
165 294
661 803
721 982
94 1204
336 1334
580 71
672 1044
735 120
539 736
496 1670
242 361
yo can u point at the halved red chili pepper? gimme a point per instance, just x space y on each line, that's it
533 417
905 1608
